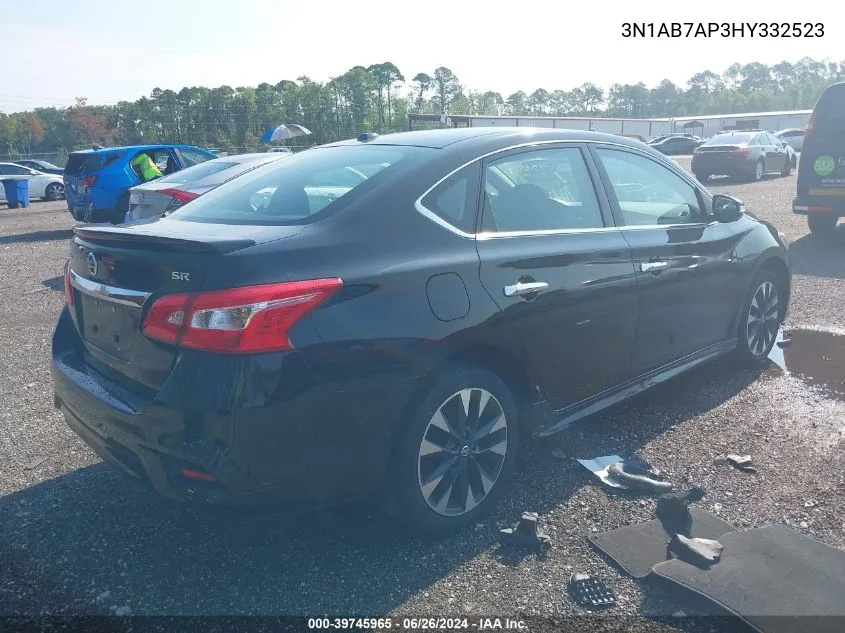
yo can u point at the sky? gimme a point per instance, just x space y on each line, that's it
112 50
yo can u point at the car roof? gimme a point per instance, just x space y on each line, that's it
135 148
492 136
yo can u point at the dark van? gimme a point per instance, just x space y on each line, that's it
821 172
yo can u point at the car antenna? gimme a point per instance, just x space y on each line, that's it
367 136
97 146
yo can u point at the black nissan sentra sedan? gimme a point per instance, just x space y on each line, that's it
399 313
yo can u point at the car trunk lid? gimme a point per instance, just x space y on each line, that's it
116 272
713 149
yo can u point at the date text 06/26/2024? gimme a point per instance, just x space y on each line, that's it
722 29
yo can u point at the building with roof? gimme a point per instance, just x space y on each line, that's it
706 125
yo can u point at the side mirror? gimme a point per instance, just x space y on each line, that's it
726 208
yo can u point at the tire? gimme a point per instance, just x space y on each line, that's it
760 320
54 191
702 178
822 223
425 501
759 171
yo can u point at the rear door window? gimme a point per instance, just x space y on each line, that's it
540 190
164 160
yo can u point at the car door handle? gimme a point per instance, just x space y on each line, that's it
521 288
650 266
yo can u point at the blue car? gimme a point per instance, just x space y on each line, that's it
97 181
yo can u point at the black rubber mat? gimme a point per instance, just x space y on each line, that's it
776 580
638 548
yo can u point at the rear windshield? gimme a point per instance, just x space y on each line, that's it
302 188
732 139
197 172
90 163
830 109
81 163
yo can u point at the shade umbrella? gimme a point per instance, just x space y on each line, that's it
284 132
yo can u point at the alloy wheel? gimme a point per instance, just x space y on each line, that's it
462 452
758 170
762 323
55 192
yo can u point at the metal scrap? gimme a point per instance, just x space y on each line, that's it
633 465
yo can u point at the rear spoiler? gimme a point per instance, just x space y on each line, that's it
136 238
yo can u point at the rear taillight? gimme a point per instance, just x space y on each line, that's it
89 181
809 129
68 286
181 196
238 320
740 152
198 475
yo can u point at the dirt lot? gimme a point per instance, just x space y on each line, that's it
78 538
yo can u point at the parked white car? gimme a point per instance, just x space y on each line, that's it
41 185
793 137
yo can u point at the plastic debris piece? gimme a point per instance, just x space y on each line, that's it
35 463
642 483
526 533
704 549
673 510
590 592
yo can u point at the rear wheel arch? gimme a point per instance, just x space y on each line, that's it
497 360
500 362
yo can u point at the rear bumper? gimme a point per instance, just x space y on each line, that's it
300 445
722 165
808 205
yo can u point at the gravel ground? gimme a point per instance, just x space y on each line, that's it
79 539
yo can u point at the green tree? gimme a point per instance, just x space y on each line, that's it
423 85
446 88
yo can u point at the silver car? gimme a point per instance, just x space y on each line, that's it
794 137
163 195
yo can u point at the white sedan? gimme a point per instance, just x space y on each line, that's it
41 185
